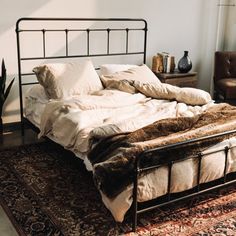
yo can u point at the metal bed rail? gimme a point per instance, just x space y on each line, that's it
199 156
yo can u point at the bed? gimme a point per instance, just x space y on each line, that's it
128 134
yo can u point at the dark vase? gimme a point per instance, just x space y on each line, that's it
185 64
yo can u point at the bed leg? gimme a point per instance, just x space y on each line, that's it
226 163
134 217
22 126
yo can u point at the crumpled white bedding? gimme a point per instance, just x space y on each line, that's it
72 123
34 110
75 121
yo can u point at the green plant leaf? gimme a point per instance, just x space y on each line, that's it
2 100
3 77
8 89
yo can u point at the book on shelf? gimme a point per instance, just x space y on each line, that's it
163 63
168 64
157 63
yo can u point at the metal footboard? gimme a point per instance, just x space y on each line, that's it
198 188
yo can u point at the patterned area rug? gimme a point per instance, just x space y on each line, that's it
46 191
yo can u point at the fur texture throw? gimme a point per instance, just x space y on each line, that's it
113 158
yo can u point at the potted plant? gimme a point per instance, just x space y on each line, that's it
4 92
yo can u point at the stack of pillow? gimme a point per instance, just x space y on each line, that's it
65 80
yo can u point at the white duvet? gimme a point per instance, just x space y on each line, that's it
72 123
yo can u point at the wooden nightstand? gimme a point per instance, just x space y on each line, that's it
179 79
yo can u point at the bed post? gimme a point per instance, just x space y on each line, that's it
135 194
19 76
145 42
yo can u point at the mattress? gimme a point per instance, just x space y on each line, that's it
184 173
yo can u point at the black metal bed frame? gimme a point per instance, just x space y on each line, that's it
227 178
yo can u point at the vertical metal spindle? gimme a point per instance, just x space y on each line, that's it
44 47
66 31
199 170
20 82
145 42
88 31
226 162
135 193
108 40
169 178
127 40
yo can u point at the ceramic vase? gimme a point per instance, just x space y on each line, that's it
185 64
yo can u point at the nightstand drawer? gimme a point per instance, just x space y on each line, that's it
179 79
182 82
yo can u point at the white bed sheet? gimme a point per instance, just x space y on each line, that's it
35 103
184 173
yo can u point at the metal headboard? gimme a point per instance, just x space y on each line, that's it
20 29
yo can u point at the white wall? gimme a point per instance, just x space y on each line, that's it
230 29
174 26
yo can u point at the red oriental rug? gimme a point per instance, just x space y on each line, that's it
47 191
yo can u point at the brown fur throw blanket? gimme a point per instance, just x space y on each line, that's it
113 158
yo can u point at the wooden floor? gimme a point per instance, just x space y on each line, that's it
14 138
6 227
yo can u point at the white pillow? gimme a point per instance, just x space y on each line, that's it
193 96
108 69
122 85
63 80
190 96
157 90
139 73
